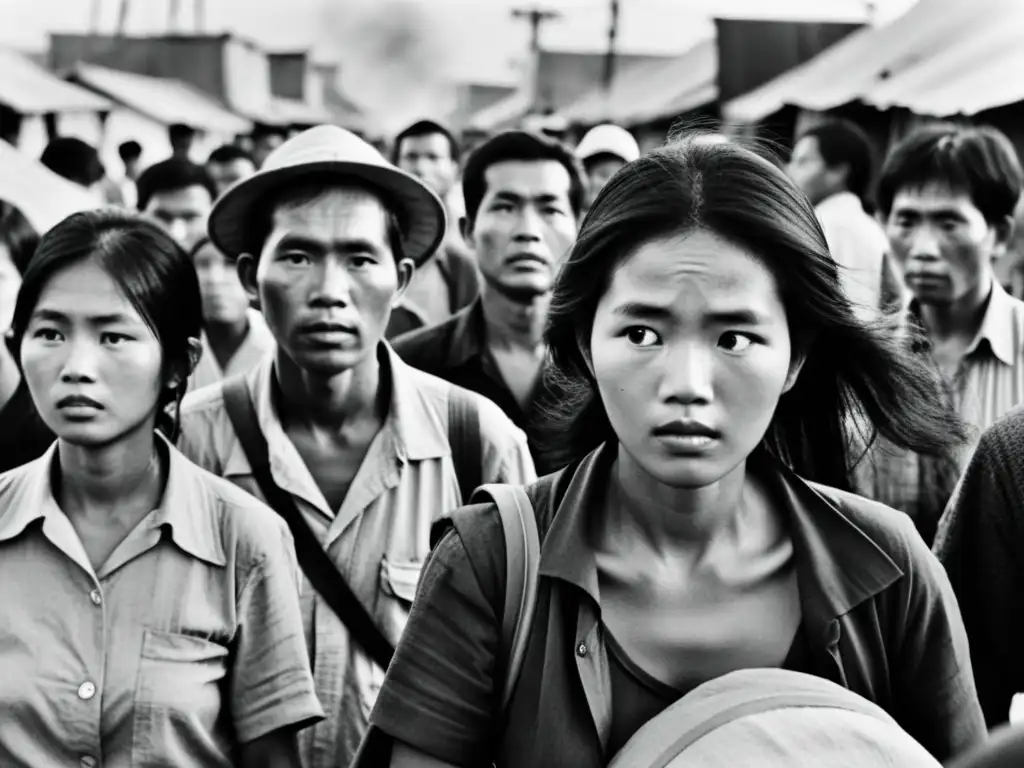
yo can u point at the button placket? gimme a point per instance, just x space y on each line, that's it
96 596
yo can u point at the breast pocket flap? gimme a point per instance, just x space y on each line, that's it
400 578
172 646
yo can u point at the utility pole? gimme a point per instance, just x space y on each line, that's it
122 16
609 59
200 10
536 17
94 16
172 15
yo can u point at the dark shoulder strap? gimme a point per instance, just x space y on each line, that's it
313 560
465 442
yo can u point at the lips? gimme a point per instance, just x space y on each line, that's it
78 401
326 327
686 428
527 258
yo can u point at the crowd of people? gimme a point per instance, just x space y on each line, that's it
261 419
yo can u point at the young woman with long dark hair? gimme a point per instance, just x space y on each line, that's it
717 371
149 611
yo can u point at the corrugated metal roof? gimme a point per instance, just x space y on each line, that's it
165 100
653 90
864 64
28 88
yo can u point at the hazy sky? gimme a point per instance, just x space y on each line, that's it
465 38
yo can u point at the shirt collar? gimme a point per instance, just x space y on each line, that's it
411 425
997 324
468 331
847 565
184 510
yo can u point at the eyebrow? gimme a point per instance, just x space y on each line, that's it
907 209
516 197
355 245
111 319
641 311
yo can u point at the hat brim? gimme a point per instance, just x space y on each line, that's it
425 220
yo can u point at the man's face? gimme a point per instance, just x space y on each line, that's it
810 172
225 302
429 158
131 168
183 212
327 280
524 227
226 174
943 243
600 172
264 145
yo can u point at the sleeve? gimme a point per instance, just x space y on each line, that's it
979 544
934 692
271 681
439 693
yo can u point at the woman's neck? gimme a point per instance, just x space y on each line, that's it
667 520
123 479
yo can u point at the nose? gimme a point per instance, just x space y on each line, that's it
688 374
924 244
528 226
80 364
333 284
178 229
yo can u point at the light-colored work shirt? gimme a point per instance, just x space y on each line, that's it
257 343
858 245
988 384
378 539
184 644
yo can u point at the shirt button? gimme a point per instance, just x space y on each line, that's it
86 691
581 651
88 761
96 597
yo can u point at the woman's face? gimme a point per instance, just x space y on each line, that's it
691 352
93 366
10 282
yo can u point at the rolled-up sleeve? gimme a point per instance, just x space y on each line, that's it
271 682
935 690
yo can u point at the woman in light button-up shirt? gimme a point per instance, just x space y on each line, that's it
149 611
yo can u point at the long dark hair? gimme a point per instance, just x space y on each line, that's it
858 380
152 271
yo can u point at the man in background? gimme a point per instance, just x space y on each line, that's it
228 164
449 280
603 151
182 137
833 163
130 153
179 194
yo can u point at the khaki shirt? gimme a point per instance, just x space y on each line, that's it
183 645
380 536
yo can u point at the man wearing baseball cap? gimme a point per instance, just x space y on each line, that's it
351 445
603 151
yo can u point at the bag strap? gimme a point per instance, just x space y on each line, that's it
314 561
464 440
522 565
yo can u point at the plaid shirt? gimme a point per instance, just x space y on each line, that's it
987 384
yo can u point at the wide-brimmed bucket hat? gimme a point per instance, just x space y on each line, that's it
322 151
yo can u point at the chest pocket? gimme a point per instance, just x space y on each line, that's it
178 700
399 579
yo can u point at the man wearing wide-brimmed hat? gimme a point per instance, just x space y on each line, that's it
327 235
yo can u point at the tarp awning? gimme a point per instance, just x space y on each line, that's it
29 89
653 90
165 100
855 67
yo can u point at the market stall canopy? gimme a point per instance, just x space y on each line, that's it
653 90
29 89
165 100
855 67
42 196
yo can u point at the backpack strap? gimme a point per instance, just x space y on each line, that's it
316 564
522 566
464 440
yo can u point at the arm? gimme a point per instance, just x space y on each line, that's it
979 545
437 704
279 749
933 689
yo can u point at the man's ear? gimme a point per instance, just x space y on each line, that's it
406 269
1003 230
247 265
466 230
